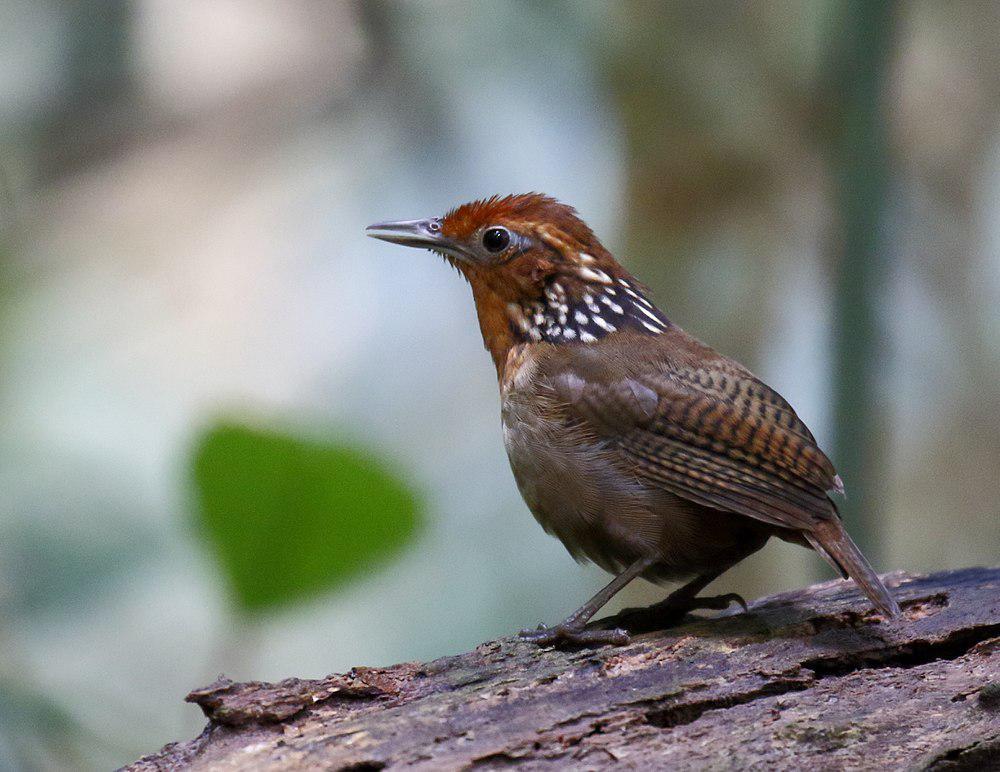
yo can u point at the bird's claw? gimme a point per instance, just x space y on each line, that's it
574 636
720 602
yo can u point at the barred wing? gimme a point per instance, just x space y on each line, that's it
716 436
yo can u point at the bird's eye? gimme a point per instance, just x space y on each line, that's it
496 239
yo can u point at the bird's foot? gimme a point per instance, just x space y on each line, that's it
718 602
672 610
574 635
678 606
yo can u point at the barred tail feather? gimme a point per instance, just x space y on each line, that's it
831 541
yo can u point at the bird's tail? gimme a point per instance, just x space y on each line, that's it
836 546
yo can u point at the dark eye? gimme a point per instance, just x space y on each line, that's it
496 239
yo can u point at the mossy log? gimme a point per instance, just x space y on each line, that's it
812 679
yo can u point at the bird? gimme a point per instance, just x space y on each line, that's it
640 448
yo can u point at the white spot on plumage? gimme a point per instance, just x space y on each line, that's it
592 274
585 258
635 295
651 315
558 317
516 313
612 304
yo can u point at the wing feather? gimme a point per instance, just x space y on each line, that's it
718 437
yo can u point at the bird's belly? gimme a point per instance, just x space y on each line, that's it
575 487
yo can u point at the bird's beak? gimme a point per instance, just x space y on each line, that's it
412 233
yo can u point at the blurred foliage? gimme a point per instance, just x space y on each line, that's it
290 518
36 732
61 565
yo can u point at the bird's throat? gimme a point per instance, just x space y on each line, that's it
567 312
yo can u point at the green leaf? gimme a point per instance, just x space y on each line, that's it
289 518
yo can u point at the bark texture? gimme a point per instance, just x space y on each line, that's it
810 679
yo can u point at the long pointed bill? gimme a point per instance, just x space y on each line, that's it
412 233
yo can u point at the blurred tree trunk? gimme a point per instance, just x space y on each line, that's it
691 180
90 119
858 152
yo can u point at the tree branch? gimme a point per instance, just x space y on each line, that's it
807 678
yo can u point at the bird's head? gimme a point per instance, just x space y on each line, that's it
538 272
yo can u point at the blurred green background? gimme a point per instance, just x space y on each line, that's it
236 436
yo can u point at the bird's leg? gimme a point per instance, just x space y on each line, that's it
684 599
573 628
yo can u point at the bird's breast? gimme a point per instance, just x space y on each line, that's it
571 480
